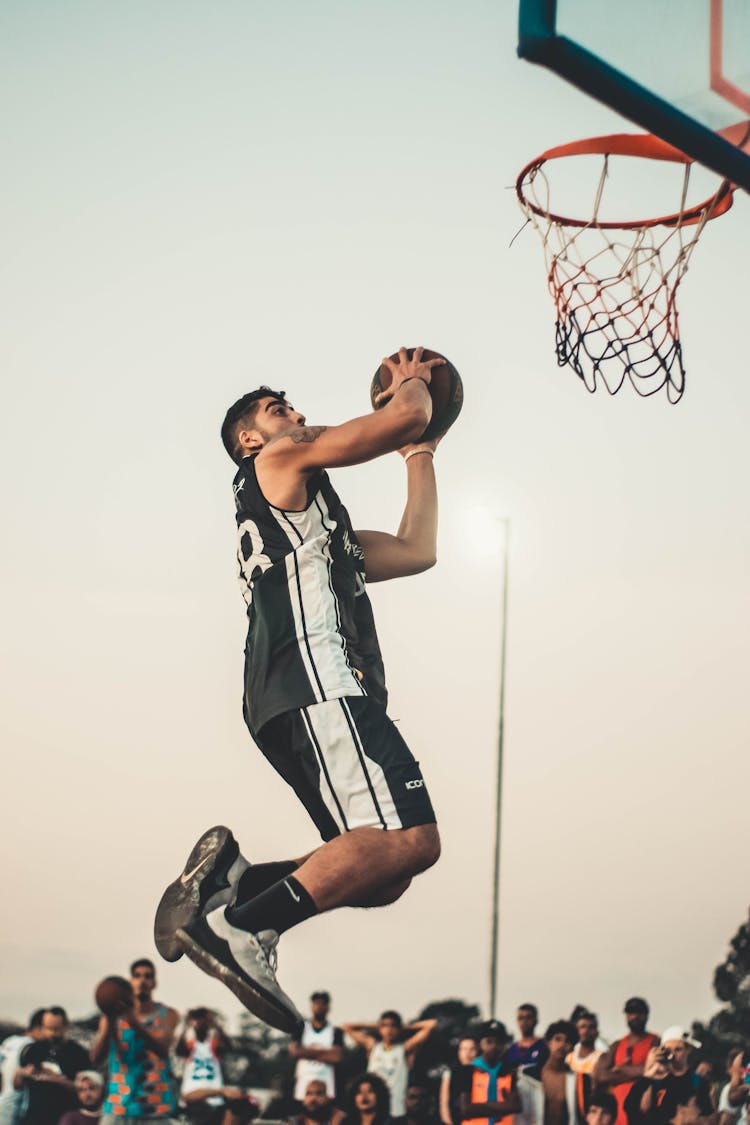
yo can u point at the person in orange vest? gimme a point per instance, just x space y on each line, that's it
488 1092
623 1063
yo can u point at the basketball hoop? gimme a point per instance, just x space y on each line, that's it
614 283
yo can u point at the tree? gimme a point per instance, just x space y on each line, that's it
730 1026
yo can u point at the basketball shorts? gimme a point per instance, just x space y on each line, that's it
349 766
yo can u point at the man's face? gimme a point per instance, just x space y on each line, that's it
416 1101
559 1046
599 1116
274 416
587 1031
53 1027
365 1099
316 1097
143 981
526 1022
636 1022
680 1050
492 1047
320 1008
89 1093
389 1030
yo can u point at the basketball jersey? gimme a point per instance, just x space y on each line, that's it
489 1084
392 1067
140 1081
311 634
202 1067
308 1070
625 1055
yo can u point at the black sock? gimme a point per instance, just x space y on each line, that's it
259 877
280 907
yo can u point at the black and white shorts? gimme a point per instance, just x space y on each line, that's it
349 766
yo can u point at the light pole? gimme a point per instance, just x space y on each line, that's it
495 927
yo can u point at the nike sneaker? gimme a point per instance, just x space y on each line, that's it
245 963
207 882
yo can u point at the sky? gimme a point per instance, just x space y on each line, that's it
201 197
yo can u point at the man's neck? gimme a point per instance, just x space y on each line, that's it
585 1049
144 1007
636 1036
318 1024
527 1040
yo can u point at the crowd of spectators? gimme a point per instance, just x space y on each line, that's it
146 1064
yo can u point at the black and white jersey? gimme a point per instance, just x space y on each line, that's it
311 634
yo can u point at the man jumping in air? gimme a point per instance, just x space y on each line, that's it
315 696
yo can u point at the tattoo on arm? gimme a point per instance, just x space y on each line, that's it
307 433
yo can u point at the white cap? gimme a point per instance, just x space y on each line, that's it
679 1034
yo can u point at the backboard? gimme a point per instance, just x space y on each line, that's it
678 68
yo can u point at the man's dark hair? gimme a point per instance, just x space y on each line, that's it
561 1027
605 1102
636 1005
381 1091
584 1014
529 1008
244 411
143 962
391 1015
36 1017
321 995
56 1010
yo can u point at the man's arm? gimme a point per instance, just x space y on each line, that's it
510 1104
422 1029
361 1033
413 548
331 1055
157 1041
607 1074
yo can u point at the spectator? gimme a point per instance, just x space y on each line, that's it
318 1049
489 1083
136 1043
623 1063
317 1106
528 1049
419 1107
602 1109
47 1069
202 1044
551 1093
390 1055
12 1100
585 1054
368 1101
90 1093
450 1083
670 1090
736 1114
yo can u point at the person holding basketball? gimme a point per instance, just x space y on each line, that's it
315 696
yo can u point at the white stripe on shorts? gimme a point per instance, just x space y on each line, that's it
353 786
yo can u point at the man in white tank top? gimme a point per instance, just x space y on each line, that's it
318 1049
390 1055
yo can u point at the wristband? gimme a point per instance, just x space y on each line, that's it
415 452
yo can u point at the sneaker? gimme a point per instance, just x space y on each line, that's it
245 963
208 881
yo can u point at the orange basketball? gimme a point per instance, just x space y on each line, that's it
445 387
113 995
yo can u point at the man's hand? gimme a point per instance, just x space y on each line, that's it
655 1066
405 368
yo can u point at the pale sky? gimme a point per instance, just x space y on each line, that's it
199 197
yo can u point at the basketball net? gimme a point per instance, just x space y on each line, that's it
615 284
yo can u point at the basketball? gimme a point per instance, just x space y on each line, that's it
445 387
113 995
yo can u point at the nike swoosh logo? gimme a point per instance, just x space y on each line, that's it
188 875
291 892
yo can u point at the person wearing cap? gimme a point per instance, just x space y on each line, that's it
623 1063
490 1091
670 1090
551 1093
90 1093
318 1048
